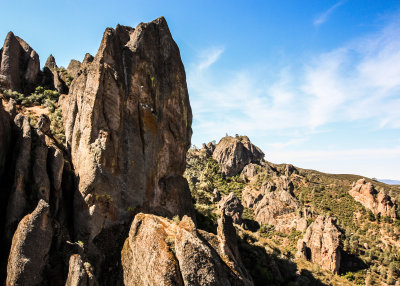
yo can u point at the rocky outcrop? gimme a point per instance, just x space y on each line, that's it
53 78
79 274
378 202
30 247
74 68
231 206
181 255
34 172
234 153
128 121
19 65
321 244
273 203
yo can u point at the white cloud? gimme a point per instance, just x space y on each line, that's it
359 81
209 57
323 17
286 144
371 162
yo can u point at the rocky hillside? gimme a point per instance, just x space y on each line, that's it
298 226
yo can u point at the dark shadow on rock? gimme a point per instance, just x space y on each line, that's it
350 262
251 225
271 269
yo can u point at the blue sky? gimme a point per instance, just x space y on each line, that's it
313 83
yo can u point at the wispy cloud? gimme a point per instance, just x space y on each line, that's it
323 17
209 57
288 143
359 81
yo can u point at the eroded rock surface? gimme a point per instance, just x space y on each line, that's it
378 202
19 65
128 126
321 244
53 78
231 206
180 256
273 202
234 153
74 68
30 247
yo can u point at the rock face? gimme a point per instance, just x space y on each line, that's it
234 153
32 172
128 121
53 78
78 274
19 65
273 202
30 247
321 244
74 68
370 198
231 206
181 255
5 134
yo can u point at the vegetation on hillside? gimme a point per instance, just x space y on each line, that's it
370 243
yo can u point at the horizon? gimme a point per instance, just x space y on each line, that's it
319 90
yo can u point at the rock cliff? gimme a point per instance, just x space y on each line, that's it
321 244
127 121
378 202
19 65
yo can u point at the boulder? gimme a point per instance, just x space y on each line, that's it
19 66
127 121
30 247
234 153
378 202
180 255
321 244
231 206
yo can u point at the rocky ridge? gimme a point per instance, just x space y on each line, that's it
309 216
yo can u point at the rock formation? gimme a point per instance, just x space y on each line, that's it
321 244
273 202
53 78
30 247
74 68
234 153
231 206
181 255
370 198
127 121
19 65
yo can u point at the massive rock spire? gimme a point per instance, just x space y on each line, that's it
128 126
